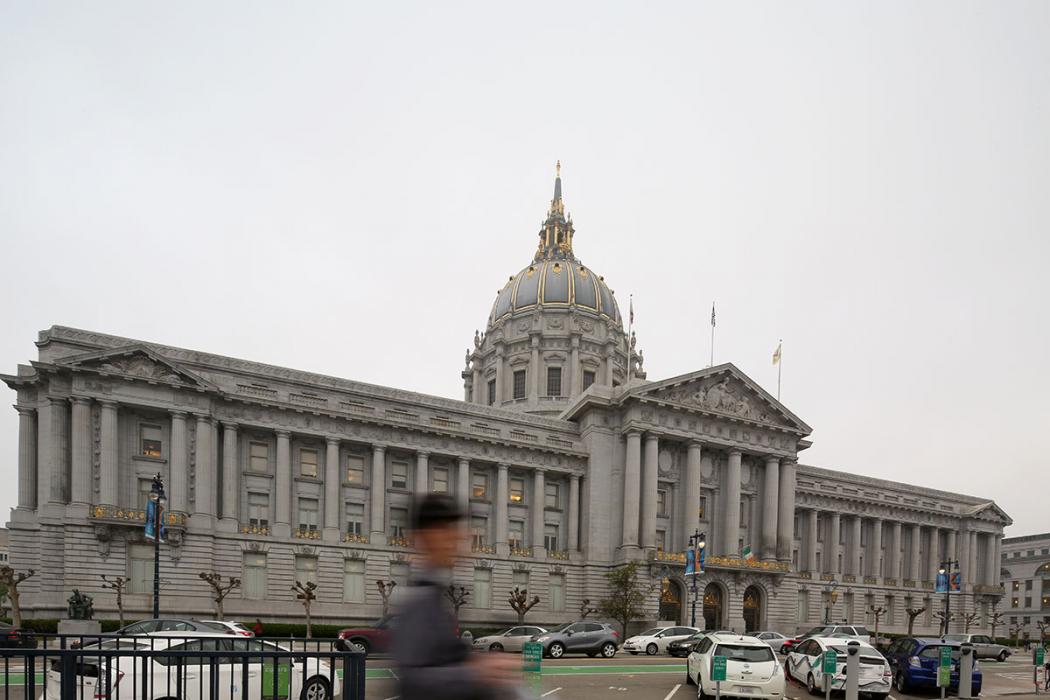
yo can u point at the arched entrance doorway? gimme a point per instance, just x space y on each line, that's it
714 607
752 609
670 601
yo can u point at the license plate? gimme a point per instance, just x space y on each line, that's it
746 689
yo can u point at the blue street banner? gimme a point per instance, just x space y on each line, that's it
153 516
690 562
955 582
942 583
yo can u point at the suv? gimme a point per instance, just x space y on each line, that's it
915 661
984 647
590 638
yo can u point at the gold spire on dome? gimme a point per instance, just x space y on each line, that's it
557 231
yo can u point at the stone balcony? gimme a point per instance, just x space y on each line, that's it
355 538
521 552
133 516
402 542
305 533
263 530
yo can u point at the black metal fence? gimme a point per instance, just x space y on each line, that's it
192 667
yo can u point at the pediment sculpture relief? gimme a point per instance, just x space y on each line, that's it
140 366
721 395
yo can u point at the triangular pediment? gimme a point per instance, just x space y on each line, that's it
723 390
135 362
992 512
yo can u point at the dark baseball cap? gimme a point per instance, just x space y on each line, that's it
436 509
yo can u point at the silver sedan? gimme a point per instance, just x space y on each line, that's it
773 639
508 640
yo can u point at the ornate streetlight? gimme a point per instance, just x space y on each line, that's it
697 542
157 499
945 576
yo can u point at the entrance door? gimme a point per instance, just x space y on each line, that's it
752 609
713 606
670 601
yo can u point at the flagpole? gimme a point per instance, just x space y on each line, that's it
780 364
712 335
630 330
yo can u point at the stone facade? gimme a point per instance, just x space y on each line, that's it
568 460
1026 578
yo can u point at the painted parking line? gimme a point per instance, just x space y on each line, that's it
550 692
612 670
673 691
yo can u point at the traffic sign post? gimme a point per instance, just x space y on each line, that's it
718 674
944 670
828 670
531 660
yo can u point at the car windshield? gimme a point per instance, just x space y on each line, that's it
862 648
650 633
561 628
818 631
740 652
862 631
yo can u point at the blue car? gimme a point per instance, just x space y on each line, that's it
914 661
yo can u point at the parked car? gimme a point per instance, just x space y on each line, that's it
915 661
805 665
655 640
774 639
861 634
983 646
155 677
752 669
508 640
374 639
15 638
683 647
231 627
167 624
590 638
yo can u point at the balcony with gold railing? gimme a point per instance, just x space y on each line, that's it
849 578
355 538
890 582
251 529
521 552
870 580
562 554
399 542
827 577
305 533
675 557
750 564
807 575
134 516
482 549
909 583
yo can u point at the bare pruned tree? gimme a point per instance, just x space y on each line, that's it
306 593
219 588
11 578
385 589
940 619
994 620
118 585
519 601
457 595
586 609
969 620
877 613
912 614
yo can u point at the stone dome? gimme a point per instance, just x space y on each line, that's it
561 283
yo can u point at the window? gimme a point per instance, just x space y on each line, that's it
399 573
479 485
745 511
355 518
550 496
149 438
354 581
482 588
1017 585
661 540
307 514
802 614
517 490
519 384
521 579
557 592
258 457
588 378
1028 585
661 502
145 487
259 510
398 522
399 475
305 568
479 529
550 538
702 507
516 534
492 391
355 469
140 568
253 584
308 463
554 381
440 477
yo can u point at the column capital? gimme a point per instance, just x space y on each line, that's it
422 453
202 417
25 410
108 403
541 470
464 461
503 466
286 434
332 440
652 436
176 413
378 447
229 425
81 400
733 452
771 459
632 432
574 476
696 443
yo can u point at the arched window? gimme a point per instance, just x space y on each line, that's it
1044 570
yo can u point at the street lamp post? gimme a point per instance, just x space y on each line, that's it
829 593
945 570
697 540
156 494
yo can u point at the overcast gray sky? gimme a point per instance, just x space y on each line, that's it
343 187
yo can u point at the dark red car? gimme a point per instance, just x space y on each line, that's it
374 639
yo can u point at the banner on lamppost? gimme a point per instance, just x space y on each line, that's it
690 562
942 583
955 582
154 515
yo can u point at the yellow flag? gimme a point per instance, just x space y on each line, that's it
776 354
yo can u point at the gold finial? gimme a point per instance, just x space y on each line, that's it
557 169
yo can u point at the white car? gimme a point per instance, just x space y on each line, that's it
655 640
773 639
232 627
752 669
152 678
509 640
805 665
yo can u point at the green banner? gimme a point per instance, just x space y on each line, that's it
284 673
718 668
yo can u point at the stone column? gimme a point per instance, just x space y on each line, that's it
991 566
856 526
875 549
204 476
107 468
332 488
478 386
534 390
80 469
893 564
914 572
283 485
813 523
650 471
690 516
631 487
949 547
179 467
999 559
934 557
502 498
574 367
500 379
53 451
229 475
770 499
377 512
463 486
786 511
831 546
537 513
731 517
422 473
610 354
574 513
27 456
965 572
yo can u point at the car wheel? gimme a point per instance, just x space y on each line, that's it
315 689
359 645
787 671
652 649
688 679
608 650
633 653
495 646
811 685
1002 656
900 683
556 650
700 694
591 654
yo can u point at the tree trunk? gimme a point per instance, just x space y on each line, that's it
218 608
120 606
16 609
521 618
309 631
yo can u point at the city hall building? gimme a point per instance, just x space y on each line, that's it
567 457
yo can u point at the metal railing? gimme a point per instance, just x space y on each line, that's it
152 667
